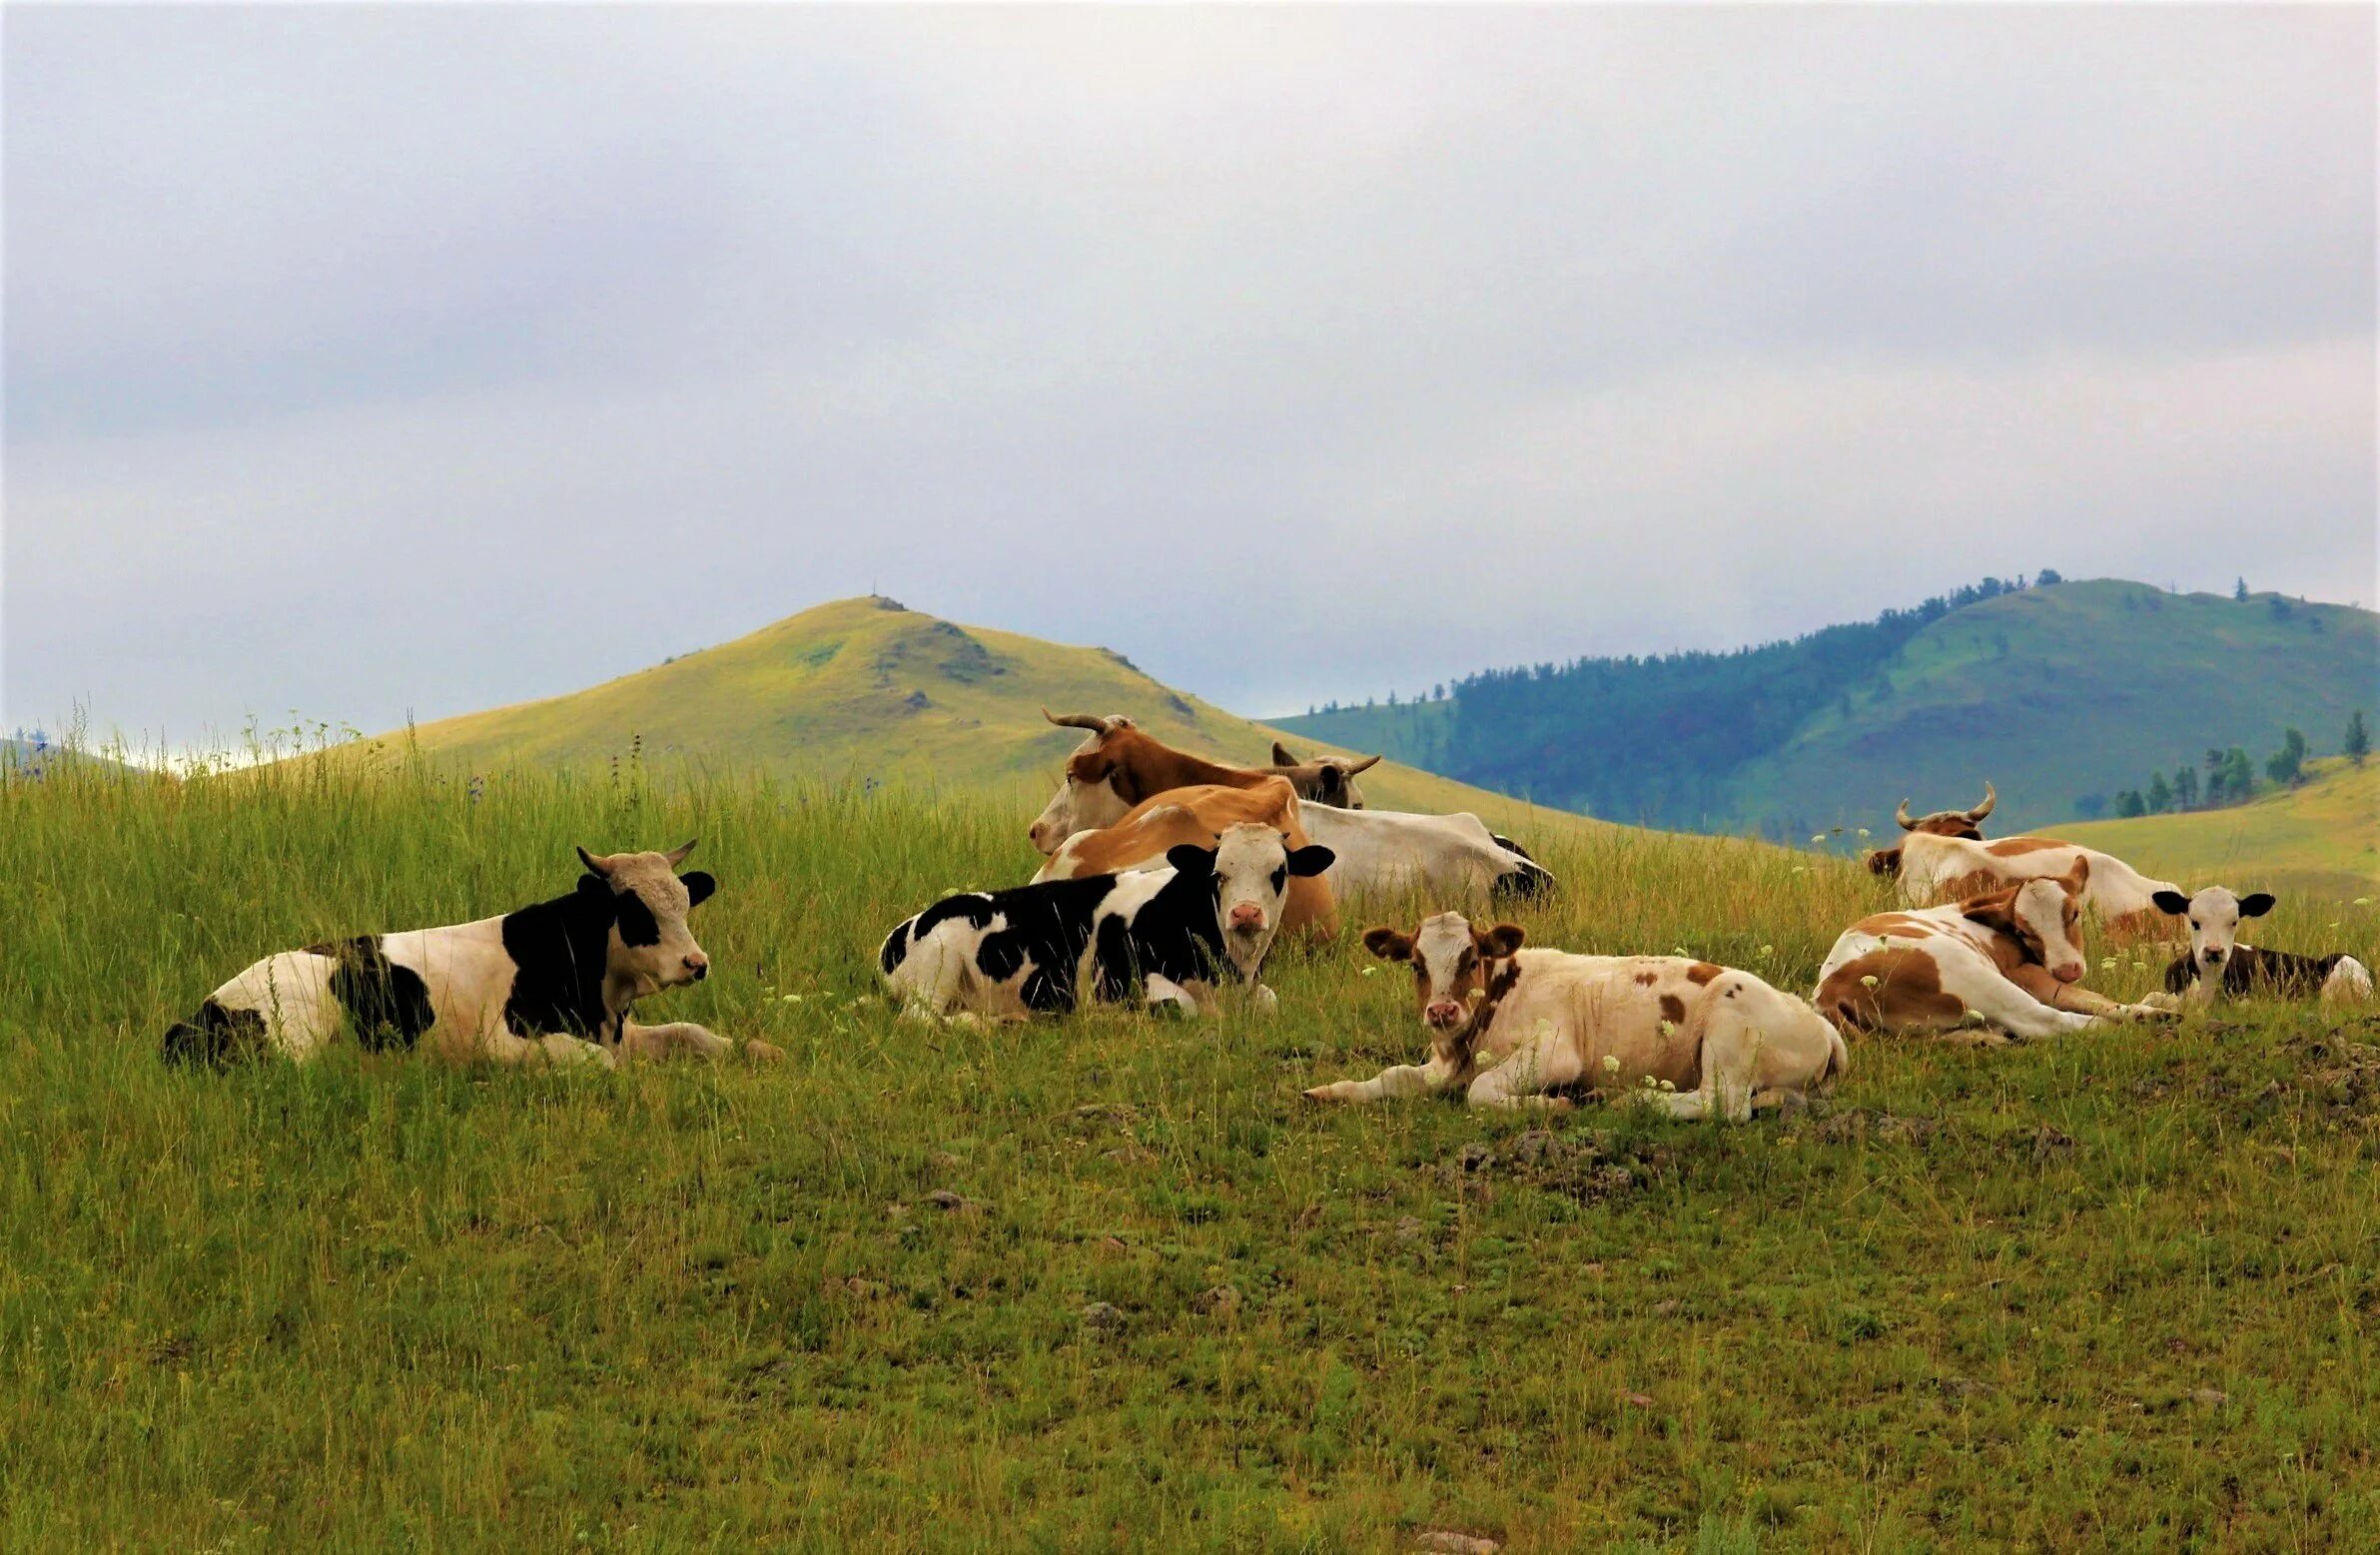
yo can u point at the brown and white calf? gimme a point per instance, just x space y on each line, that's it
1945 859
1509 1024
1199 815
556 981
2009 960
2218 964
1118 766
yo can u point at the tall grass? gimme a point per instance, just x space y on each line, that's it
2112 1291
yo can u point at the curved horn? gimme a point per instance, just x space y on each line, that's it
594 865
1366 765
1077 721
1908 823
1990 798
678 855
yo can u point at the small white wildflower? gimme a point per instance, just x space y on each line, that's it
2107 964
1864 832
1680 951
1868 981
1801 869
2334 923
1475 995
1371 972
1666 1086
1669 1028
1818 836
791 998
2363 901
1768 950
1611 1064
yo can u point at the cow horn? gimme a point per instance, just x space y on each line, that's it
1077 721
678 855
1990 798
1366 765
594 865
1907 822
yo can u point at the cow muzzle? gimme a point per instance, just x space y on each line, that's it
698 966
2071 972
1444 1014
2211 956
1246 918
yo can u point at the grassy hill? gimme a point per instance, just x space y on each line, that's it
2055 693
863 689
2323 839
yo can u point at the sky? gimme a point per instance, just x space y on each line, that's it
372 362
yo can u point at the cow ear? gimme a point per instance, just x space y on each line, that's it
1996 911
1388 945
2171 903
699 886
2255 905
1310 860
1502 940
2078 876
1187 858
1281 756
1885 860
1333 781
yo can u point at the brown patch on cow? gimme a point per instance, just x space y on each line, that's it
2016 847
1907 926
1673 1009
1975 883
1907 993
1648 979
2140 928
1702 971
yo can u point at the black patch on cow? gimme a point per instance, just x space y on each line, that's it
1528 881
387 1004
2247 970
559 950
639 926
1509 846
216 1038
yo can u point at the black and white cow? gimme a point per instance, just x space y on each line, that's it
1172 934
2218 964
554 981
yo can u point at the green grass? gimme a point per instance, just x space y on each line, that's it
2323 839
2115 1291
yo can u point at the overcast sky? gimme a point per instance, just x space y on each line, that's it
366 361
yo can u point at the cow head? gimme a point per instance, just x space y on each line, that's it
1248 871
1326 780
2214 915
652 947
1967 824
2044 916
1455 967
1099 784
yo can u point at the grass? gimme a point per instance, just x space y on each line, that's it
2115 1291
2323 839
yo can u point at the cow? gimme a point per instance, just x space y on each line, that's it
556 981
1171 934
2009 959
1118 766
2218 966
1326 780
1509 1024
1375 851
1199 814
1943 859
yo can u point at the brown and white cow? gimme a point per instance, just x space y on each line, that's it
1945 859
2009 959
1118 766
1196 816
1510 1024
2218 964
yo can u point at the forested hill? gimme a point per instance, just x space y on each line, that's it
2062 693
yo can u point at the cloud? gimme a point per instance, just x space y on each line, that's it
366 361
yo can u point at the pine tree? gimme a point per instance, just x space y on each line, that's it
2239 775
2358 743
2129 805
2160 797
2185 787
2286 766
2239 590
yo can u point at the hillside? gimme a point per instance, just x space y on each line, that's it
865 689
2055 693
2323 839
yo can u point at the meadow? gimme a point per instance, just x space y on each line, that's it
1110 1283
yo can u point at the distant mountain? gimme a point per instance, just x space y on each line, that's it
865 689
2061 694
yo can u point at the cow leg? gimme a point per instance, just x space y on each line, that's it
1401 1081
661 1041
1971 978
2073 997
2349 983
1531 1071
1163 993
559 1050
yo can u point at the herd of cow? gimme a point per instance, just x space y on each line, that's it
1168 879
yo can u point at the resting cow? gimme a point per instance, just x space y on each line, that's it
2011 959
2218 964
556 981
1509 1024
1199 815
1945 859
1118 766
1172 934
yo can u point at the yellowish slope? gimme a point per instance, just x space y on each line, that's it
863 688
2322 837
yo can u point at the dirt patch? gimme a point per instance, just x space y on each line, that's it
1856 1124
1583 1166
2339 1074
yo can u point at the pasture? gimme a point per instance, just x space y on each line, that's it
1109 1284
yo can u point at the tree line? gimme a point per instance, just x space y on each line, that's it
2230 777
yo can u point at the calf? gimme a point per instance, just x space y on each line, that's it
1152 829
1173 933
1118 766
1723 1040
2009 959
554 981
2217 964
